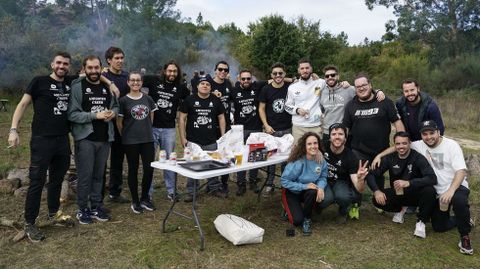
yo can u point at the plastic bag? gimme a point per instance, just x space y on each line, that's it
238 230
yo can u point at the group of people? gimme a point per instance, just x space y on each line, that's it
341 140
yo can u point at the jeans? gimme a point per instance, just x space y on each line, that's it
252 174
271 168
213 183
50 153
441 221
344 195
164 138
133 152
90 158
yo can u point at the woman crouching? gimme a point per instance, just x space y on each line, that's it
304 180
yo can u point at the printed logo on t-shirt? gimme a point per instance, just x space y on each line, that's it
160 86
202 120
210 105
339 163
88 91
239 95
318 170
140 112
367 112
197 103
252 93
104 91
174 89
248 109
161 103
278 105
409 168
62 105
435 159
53 87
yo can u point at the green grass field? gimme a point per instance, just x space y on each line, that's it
136 241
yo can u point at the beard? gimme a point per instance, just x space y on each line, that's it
307 77
171 78
93 77
58 73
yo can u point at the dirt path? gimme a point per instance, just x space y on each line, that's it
468 143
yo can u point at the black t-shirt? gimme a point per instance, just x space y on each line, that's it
245 106
369 124
50 102
225 88
96 98
120 81
167 96
202 118
412 122
340 166
274 99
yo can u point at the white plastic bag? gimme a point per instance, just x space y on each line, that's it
238 230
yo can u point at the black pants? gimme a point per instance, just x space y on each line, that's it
117 155
442 222
292 203
133 152
50 153
423 197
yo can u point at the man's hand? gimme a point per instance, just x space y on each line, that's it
362 171
320 195
380 95
113 88
380 197
269 129
400 183
183 141
344 84
102 115
446 197
217 93
311 186
109 115
302 112
376 162
13 139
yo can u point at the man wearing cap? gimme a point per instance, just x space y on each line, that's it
346 177
411 183
415 107
201 114
446 158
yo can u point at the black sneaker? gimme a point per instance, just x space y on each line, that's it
241 190
136 208
147 205
33 233
465 245
100 214
83 216
219 193
173 197
118 199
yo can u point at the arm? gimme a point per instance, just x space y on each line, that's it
111 86
399 127
458 178
290 176
263 118
75 111
380 95
377 160
290 106
358 179
120 124
182 120
13 139
222 123
429 178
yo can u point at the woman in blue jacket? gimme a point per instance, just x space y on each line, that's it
304 180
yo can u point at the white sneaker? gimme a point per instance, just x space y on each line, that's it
420 229
399 217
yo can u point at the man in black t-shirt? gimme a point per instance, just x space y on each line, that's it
368 120
49 145
91 110
168 92
345 176
411 183
245 105
115 58
276 121
201 116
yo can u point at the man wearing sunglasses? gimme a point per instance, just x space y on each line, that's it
276 120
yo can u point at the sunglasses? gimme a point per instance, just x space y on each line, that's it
277 74
226 70
330 75
247 78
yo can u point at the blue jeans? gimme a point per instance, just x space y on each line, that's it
164 138
271 168
213 183
345 195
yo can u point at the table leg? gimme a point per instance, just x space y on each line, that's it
170 210
195 216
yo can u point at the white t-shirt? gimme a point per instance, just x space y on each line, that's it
306 95
445 159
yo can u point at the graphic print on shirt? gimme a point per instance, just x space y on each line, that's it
367 112
278 105
140 112
436 159
62 98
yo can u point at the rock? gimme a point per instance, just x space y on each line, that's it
473 165
6 187
21 192
18 173
16 183
20 235
25 181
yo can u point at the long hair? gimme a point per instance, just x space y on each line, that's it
163 73
300 150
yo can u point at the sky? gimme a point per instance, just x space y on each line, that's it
349 16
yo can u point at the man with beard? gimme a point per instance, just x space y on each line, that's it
245 103
346 176
49 145
412 181
167 91
115 58
415 107
201 114
271 109
91 110
303 101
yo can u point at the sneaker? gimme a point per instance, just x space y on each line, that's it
307 227
60 219
100 214
253 186
173 197
188 198
147 205
241 190
354 212
465 245
219 193
399 217
136 208
118 199
33 233
83 216
268 191
420 229
284 215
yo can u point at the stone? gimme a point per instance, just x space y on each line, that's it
16 183
473 166
25 181
21 192
6 187
18 173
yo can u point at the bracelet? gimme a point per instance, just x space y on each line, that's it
13 130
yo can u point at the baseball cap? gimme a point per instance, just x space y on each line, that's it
428 125
337 126
203 78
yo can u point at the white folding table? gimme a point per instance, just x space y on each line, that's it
275 159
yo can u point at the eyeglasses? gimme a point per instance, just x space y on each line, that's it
277 74
330 75
135 80
226 70
247 78
361 86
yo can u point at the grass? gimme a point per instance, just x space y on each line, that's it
135 241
